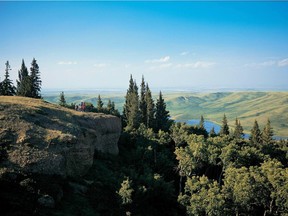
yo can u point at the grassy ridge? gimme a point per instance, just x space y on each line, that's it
247 106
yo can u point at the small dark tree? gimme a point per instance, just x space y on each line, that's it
212 132
24 82
35 80
255 137
162 115
99 104
62 100
224 128
238 133
201 123
7 87
267 134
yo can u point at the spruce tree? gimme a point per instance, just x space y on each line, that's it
24 82
255 137
224 128
35 80
62 100
238 133
212 132
162 115
150 110
131 113
267 134
99 104
201 123
142 103
7 87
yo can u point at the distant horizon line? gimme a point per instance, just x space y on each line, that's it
171 89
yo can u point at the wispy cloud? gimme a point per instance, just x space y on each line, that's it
279 63
100 65
198 64
184 53
283 62
161 60
67 63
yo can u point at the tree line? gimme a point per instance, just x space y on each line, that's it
28 84
141 109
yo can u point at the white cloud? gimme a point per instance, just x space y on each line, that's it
100 65
198 64
184 53
283 62
280 63
161 60
67 63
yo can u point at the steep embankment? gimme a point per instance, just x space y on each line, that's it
43 138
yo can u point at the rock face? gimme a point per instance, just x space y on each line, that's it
39 137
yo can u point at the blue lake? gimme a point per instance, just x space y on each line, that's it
207 124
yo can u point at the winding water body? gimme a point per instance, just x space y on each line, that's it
209 125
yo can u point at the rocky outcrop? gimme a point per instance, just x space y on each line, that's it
39 137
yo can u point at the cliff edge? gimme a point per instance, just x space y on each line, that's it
44 138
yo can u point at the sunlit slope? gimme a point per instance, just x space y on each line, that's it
247 106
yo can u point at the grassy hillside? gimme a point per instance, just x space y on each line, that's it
247 106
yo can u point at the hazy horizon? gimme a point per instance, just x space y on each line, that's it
175 45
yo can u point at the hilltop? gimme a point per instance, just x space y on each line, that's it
42 145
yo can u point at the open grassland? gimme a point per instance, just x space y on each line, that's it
246 106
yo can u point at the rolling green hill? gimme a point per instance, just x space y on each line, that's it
246 106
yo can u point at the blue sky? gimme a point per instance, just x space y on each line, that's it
173 44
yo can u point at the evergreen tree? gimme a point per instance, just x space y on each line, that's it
212 132
142 103
62 100
35 80
109 107
99 104
224 128
201 123
238 133
255 137
131 114
7 87
267 134
150 121
24 82
162 115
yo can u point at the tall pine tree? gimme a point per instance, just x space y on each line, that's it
24 82
142 103
201 123
255 137
224 128
7 87
131 113
150 121
162 115
267 134
35 80
238 133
